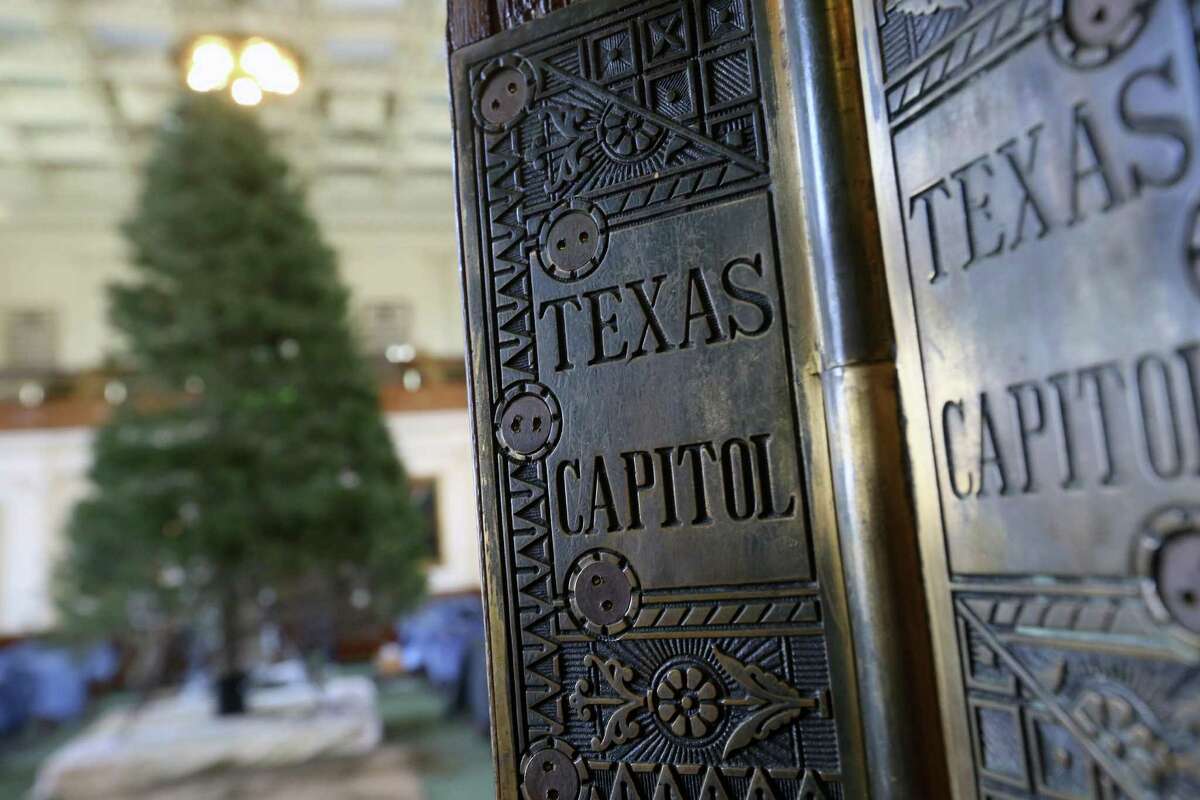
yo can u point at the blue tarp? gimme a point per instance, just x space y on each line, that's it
48 683
444 639
17 686
437 639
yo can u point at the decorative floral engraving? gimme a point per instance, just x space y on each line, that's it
568 124
687 702
619 728
775 703
1122 729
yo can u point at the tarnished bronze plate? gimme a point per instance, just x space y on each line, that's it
1036 167
665 604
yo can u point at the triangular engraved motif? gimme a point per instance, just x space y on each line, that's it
624 786
516 289
594 794
667 787
810 788
712 788
599 141
1122 774
760 787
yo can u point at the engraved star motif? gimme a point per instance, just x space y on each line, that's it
616 55
725 18
665 35
673 96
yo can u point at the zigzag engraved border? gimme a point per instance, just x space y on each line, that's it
521 485
811 783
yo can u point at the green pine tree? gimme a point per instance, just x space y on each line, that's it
253 451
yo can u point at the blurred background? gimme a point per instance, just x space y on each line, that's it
147 649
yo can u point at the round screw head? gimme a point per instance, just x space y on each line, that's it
575 240
504 96
1177 577
526 424
1099 23
551 775
603 594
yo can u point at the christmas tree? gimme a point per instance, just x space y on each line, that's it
253 451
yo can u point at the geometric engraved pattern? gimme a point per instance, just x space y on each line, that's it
781 615
1060 708
710 693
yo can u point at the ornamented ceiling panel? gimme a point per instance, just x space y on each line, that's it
84 83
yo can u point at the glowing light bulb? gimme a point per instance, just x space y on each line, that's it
246 92
285 80
211 64
275 72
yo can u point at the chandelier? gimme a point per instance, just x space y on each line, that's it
249 67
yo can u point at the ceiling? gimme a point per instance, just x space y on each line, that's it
84 83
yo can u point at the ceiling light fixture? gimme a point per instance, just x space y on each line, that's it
249 67
246 91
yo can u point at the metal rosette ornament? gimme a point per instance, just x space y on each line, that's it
552 770
688 701
528 421
603 593
626 136
1091 33
572 240
1168 565
503 93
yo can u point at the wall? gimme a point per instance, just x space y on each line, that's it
437 444
66 270
43 473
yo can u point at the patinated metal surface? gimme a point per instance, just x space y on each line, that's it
1036 171
664 573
